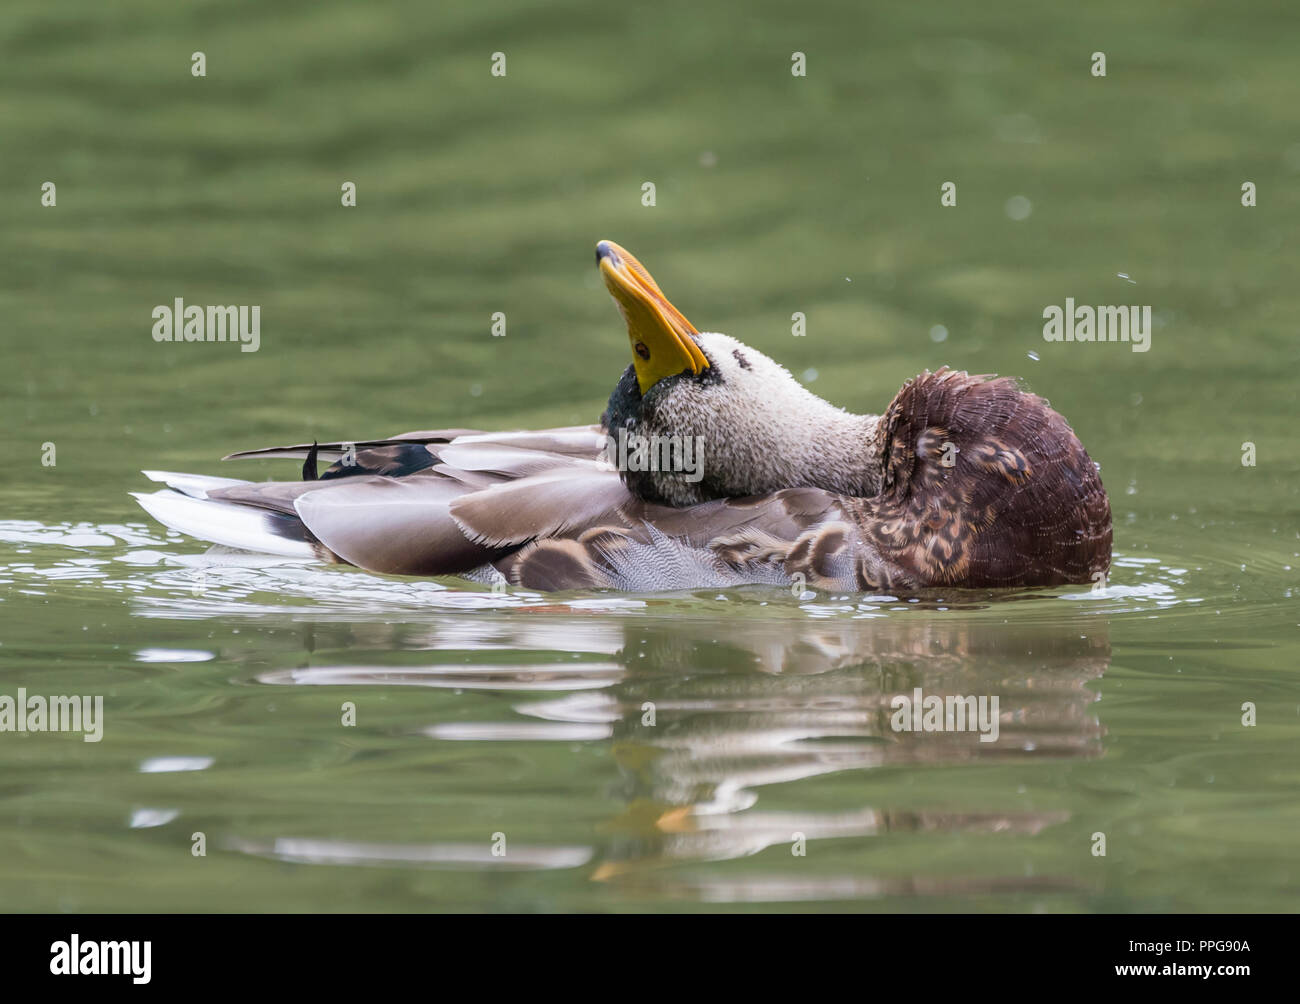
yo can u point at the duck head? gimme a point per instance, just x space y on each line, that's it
700 415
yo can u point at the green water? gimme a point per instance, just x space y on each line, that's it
524 714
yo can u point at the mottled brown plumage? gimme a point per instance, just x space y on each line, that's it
985 485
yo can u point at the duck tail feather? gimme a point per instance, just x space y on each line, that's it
237 526
194 485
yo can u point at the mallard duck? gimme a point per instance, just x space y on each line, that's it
711 466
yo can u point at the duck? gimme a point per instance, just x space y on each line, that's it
711 466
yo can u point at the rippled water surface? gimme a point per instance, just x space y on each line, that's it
638 752
643 752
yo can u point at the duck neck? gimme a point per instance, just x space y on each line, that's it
842 455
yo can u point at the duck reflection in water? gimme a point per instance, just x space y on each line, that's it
706 718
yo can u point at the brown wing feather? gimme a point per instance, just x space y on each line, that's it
278 496
559 502
646 546
396 525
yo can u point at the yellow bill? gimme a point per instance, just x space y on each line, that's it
662 339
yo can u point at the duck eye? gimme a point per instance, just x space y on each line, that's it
641 350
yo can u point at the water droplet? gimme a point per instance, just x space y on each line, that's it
1018 208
